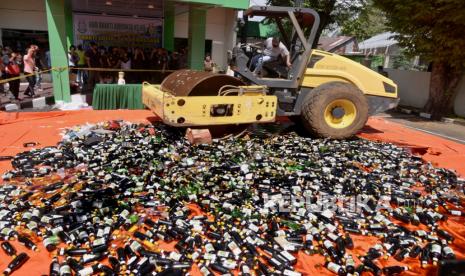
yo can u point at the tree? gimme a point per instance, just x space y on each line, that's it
369 22
330 11
434 30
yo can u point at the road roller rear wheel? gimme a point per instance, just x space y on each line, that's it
336 110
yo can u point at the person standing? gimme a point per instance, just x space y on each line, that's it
208 64
81 74
154 61
93 60
39 67
29 70
6 51
125 63
48 63
12 70
159 62
73 57
104 76
113 61
2 75
138 62
174 61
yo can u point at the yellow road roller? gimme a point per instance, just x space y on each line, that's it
325 94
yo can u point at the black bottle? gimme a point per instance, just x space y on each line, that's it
54 268
27 242
16 263
394 270
8 249
333 267
65 269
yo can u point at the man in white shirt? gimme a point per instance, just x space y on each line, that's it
273 49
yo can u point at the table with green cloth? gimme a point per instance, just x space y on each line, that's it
114 96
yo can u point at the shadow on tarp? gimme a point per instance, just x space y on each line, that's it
370 129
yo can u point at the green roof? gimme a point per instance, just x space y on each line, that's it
235 4
258 29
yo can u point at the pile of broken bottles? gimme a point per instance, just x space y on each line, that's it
111 196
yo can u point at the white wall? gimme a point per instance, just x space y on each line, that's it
414 89
220 28
413 86
459 106
24 14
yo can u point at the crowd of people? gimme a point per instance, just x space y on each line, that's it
13 63
157 63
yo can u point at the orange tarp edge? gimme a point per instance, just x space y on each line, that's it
45 128
441 152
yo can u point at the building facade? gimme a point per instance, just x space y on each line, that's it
204 26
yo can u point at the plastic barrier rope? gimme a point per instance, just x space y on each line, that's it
123 70
24 76
85 69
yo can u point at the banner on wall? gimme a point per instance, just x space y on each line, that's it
117 31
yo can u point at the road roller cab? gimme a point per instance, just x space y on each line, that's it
324 93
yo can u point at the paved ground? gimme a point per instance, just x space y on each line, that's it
7 98
454 132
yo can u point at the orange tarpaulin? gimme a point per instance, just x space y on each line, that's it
45 128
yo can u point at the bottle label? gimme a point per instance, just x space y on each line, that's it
350 262
436 248
124 213
65 269
209 247
250 240
99 241
253 227
447 250
334 267
223 254
327 214
57 230
86 271
209 256
332 236
45 219
83 235
32 225
229 264
100 232
387 246
175 256
327 244
205 271
27 215
135 246
6 231
234 248
288 272
455 212
287 255
195 255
